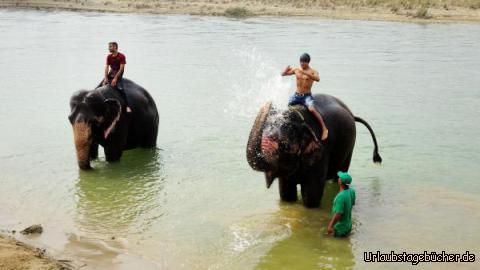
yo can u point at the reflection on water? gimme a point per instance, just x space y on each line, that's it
121 196
308 238
114 202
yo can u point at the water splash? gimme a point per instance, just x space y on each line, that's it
248 235
258 82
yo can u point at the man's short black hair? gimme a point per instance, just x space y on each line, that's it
305 58
114 44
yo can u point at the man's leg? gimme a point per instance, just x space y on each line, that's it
309 102
121 89
293 100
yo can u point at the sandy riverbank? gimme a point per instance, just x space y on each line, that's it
15 255
384 10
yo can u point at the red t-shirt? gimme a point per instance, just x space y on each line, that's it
114 62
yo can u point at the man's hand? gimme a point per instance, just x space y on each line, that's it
105 81
304 72
288 71
114 81
332 222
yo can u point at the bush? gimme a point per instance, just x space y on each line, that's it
475 5
237 12
142 6
422 13
394 10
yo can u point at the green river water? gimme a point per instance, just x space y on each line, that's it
194 203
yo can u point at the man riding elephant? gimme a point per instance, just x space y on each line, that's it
303 95
114 69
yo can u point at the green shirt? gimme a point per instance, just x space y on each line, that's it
343 203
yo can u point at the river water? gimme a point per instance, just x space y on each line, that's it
194 203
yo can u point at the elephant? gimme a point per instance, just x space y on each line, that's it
99 117
285 144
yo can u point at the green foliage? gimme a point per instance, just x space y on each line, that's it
237 12
422 13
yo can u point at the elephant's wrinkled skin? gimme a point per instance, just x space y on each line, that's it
282 144
99 117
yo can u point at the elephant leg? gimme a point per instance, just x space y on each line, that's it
312 188
113 153
150 140
117 143
288 189
113 150
94 151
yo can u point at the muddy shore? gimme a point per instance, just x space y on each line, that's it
382 10
15 255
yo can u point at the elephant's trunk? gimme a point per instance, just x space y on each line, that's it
82 135
255 158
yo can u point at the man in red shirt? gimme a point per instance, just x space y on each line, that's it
114 69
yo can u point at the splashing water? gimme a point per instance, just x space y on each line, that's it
248 235
260 83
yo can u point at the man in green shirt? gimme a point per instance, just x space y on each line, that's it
341 223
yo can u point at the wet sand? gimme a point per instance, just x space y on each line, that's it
409 10
15 255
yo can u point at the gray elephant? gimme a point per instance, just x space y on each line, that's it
286 145
99 117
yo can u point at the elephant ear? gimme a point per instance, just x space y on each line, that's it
113 111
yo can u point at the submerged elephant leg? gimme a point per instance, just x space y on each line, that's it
114 149
117 142
149 137
288 189
312 188
113 153
94 151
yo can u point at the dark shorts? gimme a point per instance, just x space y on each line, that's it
302 99
119 82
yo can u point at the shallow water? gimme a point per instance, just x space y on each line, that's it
195 203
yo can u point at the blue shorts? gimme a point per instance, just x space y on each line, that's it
302 99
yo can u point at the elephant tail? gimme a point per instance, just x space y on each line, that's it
376 156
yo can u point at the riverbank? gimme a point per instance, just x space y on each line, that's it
382 10
17 255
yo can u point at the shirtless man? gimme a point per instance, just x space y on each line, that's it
305 76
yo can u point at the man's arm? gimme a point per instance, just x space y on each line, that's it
314 76
288 71
332 223
105 79
119 73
